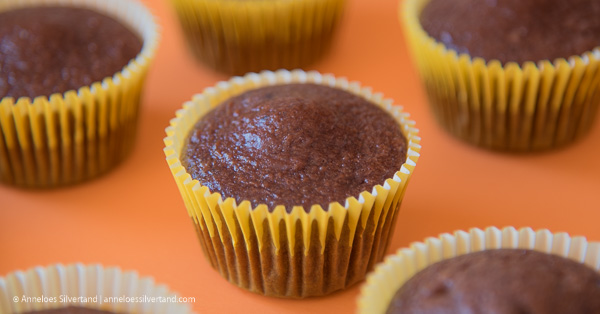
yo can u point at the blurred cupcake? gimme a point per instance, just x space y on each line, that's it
292 179
236 37
492 270
85 289
70 83
508 75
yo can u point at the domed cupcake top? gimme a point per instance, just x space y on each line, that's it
295 144
501 281
46 50
514 30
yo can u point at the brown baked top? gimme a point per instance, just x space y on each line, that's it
297 144
515 30
71 310
46 50
502 282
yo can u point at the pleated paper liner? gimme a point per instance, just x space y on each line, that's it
511 107
296 254
389 276
75 136
91 286
236 37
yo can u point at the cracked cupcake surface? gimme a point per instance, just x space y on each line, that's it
295 144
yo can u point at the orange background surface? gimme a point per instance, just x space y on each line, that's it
133 217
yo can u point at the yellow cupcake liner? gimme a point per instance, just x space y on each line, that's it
67 138
91 286
383 283
511 107
237 37
300 253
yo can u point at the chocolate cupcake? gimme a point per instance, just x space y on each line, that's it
237 37
70 82
508 75
265 163
501 281
85 289
500 271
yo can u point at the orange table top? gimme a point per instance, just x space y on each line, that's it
134 217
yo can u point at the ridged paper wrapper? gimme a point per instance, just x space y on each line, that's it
383 283
59 286
304 252
236 37
67 138
509 107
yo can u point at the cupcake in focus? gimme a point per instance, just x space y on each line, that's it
237 37
70 83
508 75
292 179
499 271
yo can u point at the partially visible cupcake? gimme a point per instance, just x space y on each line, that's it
501 281
70 310
508 75
70 84
500 271
85 289
236 37
293 180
